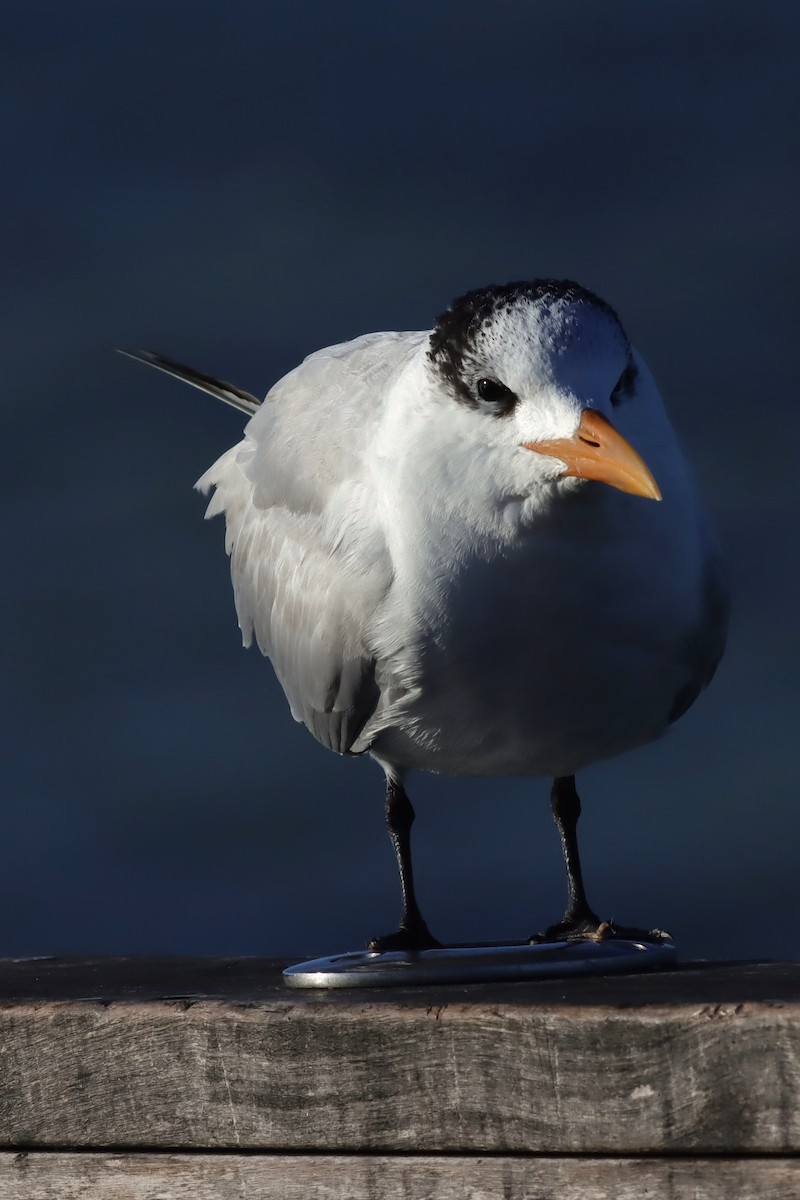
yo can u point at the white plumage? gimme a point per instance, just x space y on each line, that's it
416 546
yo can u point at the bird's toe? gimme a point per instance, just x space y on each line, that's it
410 939
591 929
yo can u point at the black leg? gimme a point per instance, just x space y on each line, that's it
412 933
566 804
579 920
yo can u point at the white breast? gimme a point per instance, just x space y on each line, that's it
541 652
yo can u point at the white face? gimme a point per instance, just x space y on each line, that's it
521 366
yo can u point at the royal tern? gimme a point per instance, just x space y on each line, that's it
454 557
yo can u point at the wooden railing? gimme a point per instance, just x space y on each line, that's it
203 1079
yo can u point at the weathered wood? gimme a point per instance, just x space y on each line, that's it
59 1176
533 1068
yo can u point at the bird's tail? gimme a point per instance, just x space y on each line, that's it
227 392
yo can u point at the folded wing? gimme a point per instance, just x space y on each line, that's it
309 562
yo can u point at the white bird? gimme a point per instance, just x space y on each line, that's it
448 547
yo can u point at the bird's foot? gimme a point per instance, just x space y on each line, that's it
408 938
589 928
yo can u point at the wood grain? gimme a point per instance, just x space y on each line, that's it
60 1176
502 1069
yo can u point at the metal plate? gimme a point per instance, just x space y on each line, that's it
496 962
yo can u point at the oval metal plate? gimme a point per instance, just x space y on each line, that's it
496 962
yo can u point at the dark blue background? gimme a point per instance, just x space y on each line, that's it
237 185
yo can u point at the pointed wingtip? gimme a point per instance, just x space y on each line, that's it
145 356
154 359
227 392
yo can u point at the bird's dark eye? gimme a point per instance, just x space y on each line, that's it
495 392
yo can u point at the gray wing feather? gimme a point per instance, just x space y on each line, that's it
309 562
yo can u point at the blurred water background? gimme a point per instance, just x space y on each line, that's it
237 185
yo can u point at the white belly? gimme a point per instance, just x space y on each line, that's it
568 649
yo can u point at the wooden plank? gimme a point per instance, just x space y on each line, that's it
60 1176
502 1070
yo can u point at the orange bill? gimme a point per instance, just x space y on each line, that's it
597 451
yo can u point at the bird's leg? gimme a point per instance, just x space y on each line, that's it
412 933
579 920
